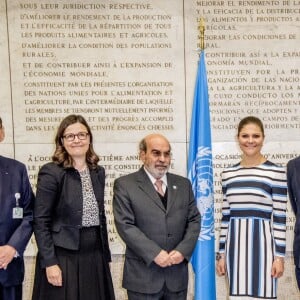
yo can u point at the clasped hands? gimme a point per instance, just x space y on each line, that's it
165 259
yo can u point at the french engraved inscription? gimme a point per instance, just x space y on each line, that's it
111 62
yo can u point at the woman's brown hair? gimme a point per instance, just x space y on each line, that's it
251 120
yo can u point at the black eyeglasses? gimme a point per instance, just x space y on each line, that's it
70 137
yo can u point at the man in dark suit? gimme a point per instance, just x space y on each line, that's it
293 180
16 214
157 218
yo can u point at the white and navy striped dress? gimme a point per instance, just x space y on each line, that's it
253 228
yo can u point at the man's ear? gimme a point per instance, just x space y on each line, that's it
2 134
142 156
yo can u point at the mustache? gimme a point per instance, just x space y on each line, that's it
161 165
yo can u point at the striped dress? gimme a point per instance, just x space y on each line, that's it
253 228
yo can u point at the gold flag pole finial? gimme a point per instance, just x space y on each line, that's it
202 29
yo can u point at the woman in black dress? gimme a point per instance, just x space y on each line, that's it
69 220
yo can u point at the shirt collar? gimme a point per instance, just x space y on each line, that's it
163 179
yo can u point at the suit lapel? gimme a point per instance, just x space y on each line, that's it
172 192
147 187
3 174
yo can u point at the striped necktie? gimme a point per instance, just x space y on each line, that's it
158 183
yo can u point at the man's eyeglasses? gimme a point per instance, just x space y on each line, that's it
70 137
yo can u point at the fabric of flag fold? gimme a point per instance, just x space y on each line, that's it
200 173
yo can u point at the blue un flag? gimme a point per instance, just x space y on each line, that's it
200 173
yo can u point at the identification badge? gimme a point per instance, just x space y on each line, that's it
17 213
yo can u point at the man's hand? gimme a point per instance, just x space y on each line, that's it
163 259
176 257
7 254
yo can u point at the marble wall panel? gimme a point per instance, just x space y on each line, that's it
252 59
5 88
120 64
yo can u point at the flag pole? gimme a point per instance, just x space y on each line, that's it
202 30
200 173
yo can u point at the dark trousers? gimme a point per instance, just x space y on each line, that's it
164 294
297 272
11 293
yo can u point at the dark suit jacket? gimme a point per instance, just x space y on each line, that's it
147 228
14 232
58 210
293 180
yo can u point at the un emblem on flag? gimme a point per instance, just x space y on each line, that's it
203 188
